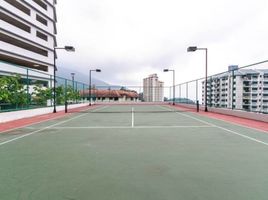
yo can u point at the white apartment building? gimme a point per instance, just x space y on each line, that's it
27 37
153 89
244 89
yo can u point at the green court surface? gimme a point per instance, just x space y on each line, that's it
134 155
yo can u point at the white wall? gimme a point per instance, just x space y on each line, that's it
15 115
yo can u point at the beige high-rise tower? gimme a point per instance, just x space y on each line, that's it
153 89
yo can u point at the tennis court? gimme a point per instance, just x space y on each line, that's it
134 152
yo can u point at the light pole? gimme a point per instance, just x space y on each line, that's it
89 88
67 48
167 70
192 49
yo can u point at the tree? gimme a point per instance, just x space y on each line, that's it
41 95
13 91
60 95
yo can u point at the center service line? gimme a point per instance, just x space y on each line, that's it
132 112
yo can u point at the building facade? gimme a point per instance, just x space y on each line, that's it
153 89
27 37
243 89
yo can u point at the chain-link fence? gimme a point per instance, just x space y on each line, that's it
24 88
240 88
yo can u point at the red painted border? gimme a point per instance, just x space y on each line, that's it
6 126
42 118
263 126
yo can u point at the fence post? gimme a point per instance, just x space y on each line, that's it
76 90
83 93
27 77
180 93
51 97
232 104
187 93
196 98
65 96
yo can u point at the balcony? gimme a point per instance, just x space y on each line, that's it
246 97
254 91
246 92
247 103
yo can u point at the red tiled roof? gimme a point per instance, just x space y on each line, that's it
111 93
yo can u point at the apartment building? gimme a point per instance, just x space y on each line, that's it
27 37
244 89
153 89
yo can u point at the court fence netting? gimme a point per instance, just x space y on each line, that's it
240 88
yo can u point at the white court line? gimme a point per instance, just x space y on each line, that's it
132 121
225 129
31 133
127 127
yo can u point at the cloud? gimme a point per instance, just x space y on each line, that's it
131 39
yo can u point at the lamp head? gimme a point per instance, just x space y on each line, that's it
69 48
191 49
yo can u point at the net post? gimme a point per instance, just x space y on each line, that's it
197 105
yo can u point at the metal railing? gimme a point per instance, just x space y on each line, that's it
24 88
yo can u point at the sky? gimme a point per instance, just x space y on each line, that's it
130 39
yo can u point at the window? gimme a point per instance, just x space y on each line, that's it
41 20
41 35
23 45
18 61
19 6
41 4
14 22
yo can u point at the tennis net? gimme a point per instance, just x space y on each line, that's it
136 108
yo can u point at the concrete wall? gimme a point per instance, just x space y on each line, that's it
240 113
14 115
236 113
